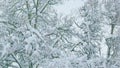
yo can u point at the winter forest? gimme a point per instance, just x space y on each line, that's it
34 35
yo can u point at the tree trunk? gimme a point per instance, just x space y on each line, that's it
36 14
112 28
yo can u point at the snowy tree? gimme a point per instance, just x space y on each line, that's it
91 27
34 35
22 41
112 14
111 18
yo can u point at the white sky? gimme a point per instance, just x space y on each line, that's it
68 6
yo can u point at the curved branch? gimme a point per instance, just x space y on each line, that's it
16 60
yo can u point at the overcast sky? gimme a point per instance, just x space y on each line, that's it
69 6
